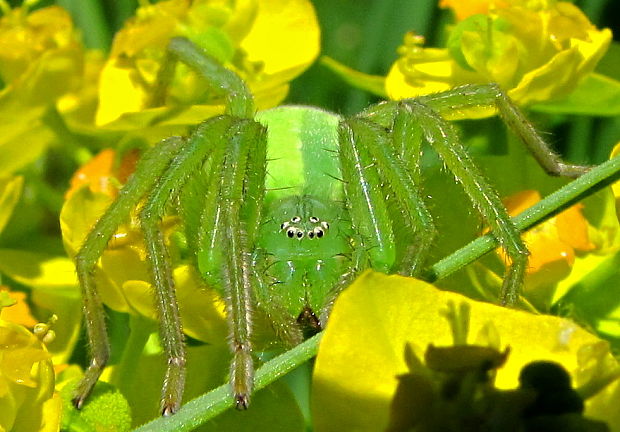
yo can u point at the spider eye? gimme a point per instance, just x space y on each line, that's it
295 219
300 234
325 225
319 232
284 225
310 234
313 219
291 232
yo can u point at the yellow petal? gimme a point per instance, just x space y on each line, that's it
362 350
284 38
120 91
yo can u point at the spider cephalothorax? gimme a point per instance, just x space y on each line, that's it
283 208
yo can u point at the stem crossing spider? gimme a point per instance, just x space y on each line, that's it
282 209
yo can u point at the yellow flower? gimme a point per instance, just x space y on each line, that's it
41 63
268 42
379 321
535 50
27 393
463 9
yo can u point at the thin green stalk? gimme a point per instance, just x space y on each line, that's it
205 407
140 328
89 16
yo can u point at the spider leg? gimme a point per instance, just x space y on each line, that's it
239 101
231 219
225 225
359 261
362 133
284 325
151 166
370 216
444 139
240 203
490 95
183 165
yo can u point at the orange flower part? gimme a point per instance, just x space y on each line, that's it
18 313
553 243
102 173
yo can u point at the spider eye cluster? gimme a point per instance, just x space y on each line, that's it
317 228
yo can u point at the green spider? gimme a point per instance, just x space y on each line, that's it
284 208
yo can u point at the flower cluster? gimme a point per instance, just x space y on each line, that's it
27 395
535 50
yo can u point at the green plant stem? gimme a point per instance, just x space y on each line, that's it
89 16
205 407
140 328
199 410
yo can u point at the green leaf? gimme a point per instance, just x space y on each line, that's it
374 84
610 63
597 95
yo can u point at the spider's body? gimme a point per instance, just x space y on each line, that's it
304 241
281 210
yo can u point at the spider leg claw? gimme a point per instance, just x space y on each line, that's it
242 401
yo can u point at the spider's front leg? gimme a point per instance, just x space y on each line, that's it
371 157
428 112
224 226
151 166
491 96
162 173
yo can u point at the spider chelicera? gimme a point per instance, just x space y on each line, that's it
282 209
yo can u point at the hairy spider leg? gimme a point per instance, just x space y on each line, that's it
235 277
209 135
365 136
163 169
237 220
442 136
429 110
444 139
490 95
239 100
371 156
221 206
154 162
